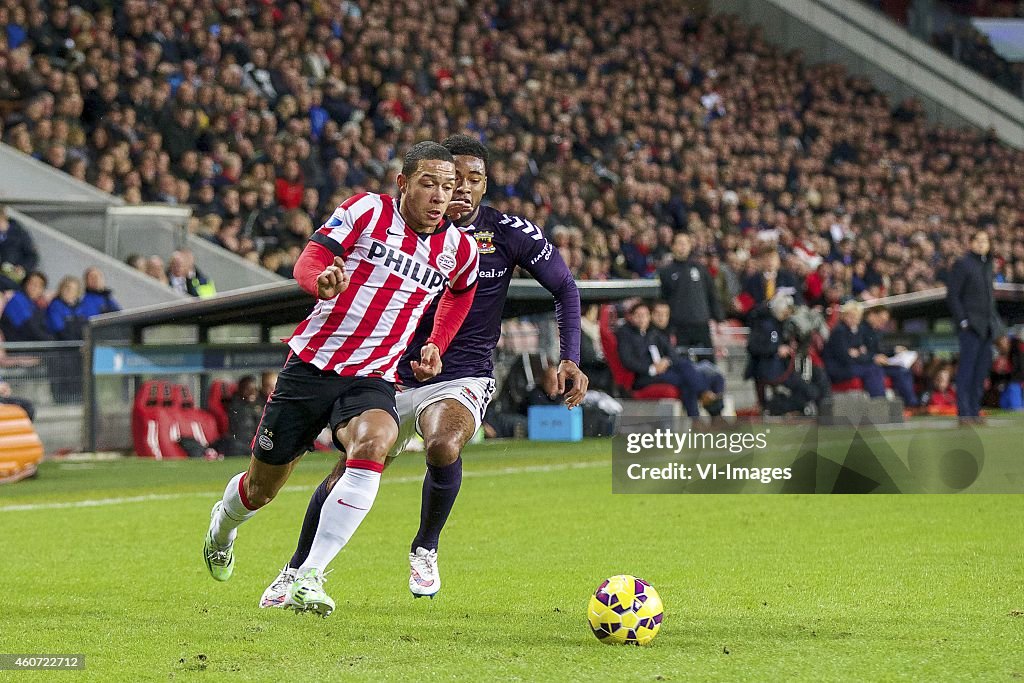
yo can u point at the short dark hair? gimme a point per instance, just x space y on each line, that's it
427 150
35 273
466 145
637 305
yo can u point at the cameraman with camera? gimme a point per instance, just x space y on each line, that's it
778 348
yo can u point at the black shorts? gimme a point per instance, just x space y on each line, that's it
305 400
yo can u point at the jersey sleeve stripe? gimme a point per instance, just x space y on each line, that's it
336 248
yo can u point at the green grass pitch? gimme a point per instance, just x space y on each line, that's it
818 588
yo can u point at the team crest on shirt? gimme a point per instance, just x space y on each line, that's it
446 261
484 241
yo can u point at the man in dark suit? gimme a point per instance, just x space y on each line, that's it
875 321
846 353
690 292
645 351
771 279
971 301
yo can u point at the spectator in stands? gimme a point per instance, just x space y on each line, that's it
770 279
7 397
592 359
24 316
18 254
690 292
63 318
942 393
972 304
245 409
183 276
136 261
647 353
98 298
846 352
298 229
876 320
155 269
661 321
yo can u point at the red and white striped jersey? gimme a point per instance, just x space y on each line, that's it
394 274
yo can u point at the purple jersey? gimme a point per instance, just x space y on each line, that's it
504 242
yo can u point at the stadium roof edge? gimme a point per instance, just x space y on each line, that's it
931 303
285 303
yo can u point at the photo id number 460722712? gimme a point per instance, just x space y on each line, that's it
10 662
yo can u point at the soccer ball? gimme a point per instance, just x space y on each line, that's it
625 610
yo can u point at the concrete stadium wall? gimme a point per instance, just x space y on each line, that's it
61 255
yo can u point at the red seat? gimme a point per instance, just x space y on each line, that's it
193 422
854 384
620 375
221 391
155 429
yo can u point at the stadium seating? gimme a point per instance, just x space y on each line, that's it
163 414
854 384
220 393
193 422
622 377
20 447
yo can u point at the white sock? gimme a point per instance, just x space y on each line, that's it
344 510
233 511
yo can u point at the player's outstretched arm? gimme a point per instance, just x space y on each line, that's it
546 265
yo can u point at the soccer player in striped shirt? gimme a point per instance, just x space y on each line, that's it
375 267
449 408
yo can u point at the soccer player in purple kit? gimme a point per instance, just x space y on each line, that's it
448 410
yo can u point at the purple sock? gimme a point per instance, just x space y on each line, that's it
310 523
440 488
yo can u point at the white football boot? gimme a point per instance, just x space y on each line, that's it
424 577
277 592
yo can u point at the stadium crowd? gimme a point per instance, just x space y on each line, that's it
618 126
609 124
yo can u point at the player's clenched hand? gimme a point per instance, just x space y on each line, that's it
429 365
570 374
333 281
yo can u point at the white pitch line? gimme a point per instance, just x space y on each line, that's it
101 502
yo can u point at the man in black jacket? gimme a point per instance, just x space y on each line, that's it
690 292
972 303
646 352
18 254
846 353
